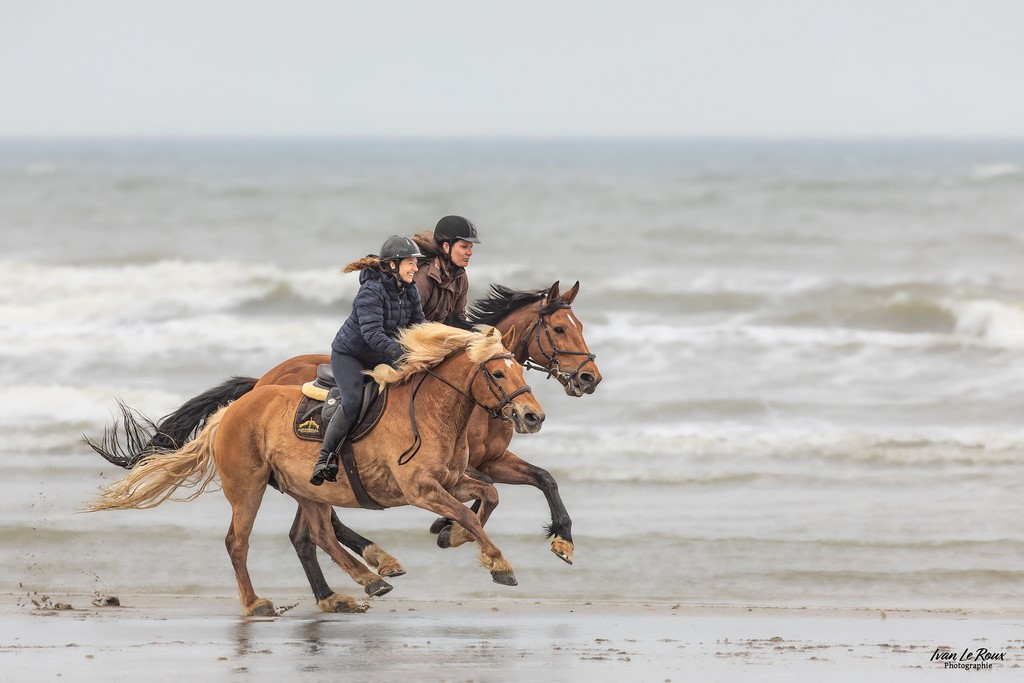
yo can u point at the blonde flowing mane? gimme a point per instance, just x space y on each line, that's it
427 344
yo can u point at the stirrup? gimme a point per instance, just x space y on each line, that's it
325 471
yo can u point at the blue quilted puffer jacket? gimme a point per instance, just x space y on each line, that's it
381 308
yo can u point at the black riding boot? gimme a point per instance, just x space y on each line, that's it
326 468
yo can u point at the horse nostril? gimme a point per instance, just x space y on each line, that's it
532 418
586 378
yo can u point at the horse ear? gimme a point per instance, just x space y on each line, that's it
552 293
509 338
568 297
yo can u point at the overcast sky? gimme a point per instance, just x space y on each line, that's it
512 68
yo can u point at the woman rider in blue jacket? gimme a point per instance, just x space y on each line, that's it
386 302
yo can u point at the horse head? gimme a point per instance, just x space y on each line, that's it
555 342
499 387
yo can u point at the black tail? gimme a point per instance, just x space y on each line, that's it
143 437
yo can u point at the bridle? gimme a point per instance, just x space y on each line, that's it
552 368
496 412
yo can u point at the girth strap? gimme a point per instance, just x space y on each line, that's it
348 463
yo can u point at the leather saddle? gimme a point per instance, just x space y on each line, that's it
321 400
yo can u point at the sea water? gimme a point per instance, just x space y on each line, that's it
812 356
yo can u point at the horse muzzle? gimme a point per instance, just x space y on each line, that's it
576 385
527 420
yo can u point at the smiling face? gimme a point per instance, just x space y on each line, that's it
406 269
460 251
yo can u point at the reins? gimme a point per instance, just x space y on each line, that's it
552 368
496 390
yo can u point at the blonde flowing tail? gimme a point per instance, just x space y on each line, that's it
155 478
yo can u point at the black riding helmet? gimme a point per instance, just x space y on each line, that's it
451 228
396 248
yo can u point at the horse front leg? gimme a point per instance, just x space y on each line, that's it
431 496
511 469
473 486
441 523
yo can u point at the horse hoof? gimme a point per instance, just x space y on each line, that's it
391 572
377 588
341 604
444 537
382 562
439 524
505 578
261 608
563 549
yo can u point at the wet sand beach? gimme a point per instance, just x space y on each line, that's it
176 638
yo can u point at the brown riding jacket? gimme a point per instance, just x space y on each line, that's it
443 291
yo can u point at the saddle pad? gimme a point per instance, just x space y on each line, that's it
310 423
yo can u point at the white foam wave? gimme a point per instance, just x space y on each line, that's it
992 171
49 418
33 294
713 282
628 331
785 284
212 343
713 453
992 322
975 322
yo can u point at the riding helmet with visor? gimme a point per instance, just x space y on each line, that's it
398 247
452 228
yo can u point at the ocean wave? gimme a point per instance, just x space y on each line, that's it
31 293
989 321
51 419
995 171
164 290
193 315
712 454
670 451
633 335
873 317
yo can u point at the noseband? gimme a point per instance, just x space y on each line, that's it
552 368
497 412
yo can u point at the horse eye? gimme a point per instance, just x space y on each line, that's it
499 375
559 330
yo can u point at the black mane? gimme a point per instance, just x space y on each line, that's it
504 300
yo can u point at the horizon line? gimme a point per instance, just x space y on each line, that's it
288 137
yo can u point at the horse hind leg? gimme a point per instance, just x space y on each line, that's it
306 552
244 479
381 560
243 514
326 599
317 517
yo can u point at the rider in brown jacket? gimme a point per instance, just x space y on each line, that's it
441 279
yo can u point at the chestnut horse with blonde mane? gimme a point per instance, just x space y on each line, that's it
548 338
252 439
